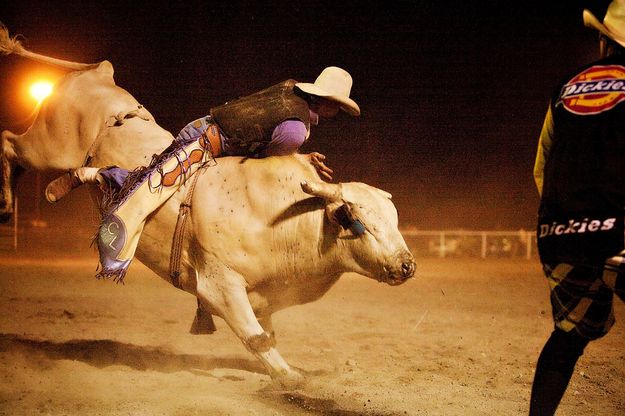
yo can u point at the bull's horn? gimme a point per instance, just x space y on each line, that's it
63 185
9 45
328 191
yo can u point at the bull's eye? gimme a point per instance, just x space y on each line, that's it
346 219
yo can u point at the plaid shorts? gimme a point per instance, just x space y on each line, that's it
582 296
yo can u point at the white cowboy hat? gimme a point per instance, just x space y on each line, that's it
613 25
333 84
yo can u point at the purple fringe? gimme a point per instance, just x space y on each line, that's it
116 275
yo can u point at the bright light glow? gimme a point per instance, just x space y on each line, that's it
40 90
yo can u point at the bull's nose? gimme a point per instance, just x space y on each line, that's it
408 269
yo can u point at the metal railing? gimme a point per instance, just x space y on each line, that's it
448 243
439 243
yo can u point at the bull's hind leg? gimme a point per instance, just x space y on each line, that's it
8 174
223 293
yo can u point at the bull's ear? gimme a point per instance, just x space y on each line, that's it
329 191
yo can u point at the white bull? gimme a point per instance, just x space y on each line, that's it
262 233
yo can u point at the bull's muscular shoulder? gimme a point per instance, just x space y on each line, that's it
257 181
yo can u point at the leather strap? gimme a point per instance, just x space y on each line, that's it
176 246
213 136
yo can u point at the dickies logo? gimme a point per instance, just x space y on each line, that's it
597 89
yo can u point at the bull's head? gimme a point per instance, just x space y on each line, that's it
369 222
10 171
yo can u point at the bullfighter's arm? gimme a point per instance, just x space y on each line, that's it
544 146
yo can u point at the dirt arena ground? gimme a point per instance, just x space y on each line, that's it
460 339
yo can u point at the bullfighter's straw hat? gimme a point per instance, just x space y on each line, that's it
333 84
613 25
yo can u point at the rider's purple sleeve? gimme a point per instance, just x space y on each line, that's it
287 138
114 176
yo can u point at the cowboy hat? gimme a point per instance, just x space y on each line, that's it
613 25
333 84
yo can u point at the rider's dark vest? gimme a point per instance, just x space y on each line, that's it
248 122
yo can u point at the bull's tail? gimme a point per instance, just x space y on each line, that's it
11 45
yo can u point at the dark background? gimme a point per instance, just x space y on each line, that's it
452 93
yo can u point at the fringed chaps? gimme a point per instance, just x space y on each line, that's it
143 191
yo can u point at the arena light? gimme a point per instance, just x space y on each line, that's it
40 90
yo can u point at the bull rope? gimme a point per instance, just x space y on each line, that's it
176 245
